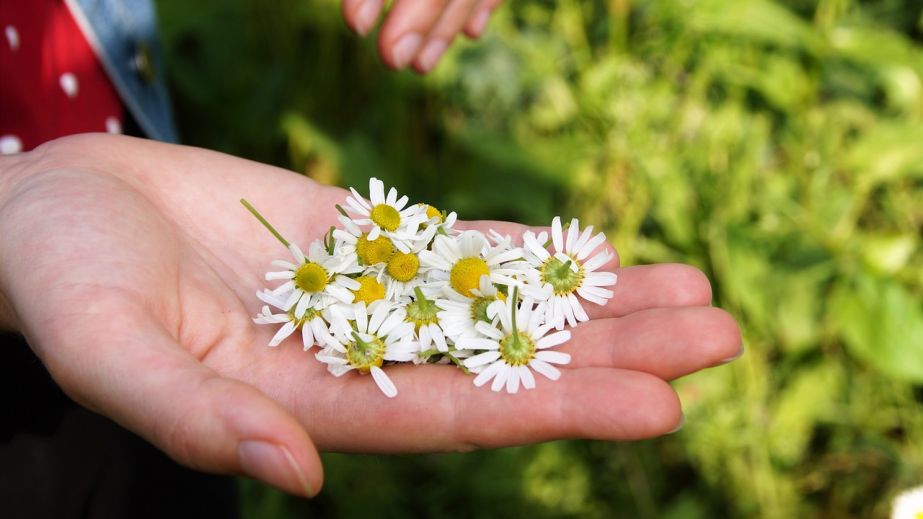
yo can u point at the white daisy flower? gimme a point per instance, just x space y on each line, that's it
908 504
514 350
351 240
313 327
363 342
314 281
422 313
388 216
460 314
568 272
459 262
443 222
403 272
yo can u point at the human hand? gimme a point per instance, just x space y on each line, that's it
131 269
417 32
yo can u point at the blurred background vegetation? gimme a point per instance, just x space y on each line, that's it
776 145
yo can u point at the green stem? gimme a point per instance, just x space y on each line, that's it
425 304
263 221
341 210
458 363
363 346
515 305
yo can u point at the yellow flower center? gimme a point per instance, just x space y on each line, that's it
308 315
369 291
517 350
386 217
466 275
377 251
432 212
403 267
311 277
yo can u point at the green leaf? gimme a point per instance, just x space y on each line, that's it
882 325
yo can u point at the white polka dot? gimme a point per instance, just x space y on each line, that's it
12 37
69 84
113 125
10 144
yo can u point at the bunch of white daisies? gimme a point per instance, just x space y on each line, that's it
398 284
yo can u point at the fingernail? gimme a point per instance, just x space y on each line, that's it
366 16
273 464
479 22
682 421
406 48
733 357
431 54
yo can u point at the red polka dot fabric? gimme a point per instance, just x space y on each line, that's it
53 84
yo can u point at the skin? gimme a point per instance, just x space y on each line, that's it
131 268
416 33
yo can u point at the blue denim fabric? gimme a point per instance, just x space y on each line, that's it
124 35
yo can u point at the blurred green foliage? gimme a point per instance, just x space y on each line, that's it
777 145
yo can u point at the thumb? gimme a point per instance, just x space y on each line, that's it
144 381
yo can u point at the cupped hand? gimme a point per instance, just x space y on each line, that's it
417 32
131 268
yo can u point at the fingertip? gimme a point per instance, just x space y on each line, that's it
402 52
476 24
277 465
361 15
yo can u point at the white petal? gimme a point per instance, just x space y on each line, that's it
378 317
556 235
362 317
525 376
342 295
425 338
500 379
307 336
488 330
283 333
302 307
488 373
533 246
579 312
376 191
601 279
390 323
358 205
597 261
348 283
590 246
438 337
284 264
482 358
596 291
296 253
384 383
285 274
552 340
589 296
512 381
572 235
374 233
545 369
293 298
581 241
476 343
554 357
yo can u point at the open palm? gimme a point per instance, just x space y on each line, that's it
131 268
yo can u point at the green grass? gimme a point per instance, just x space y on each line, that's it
778 146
